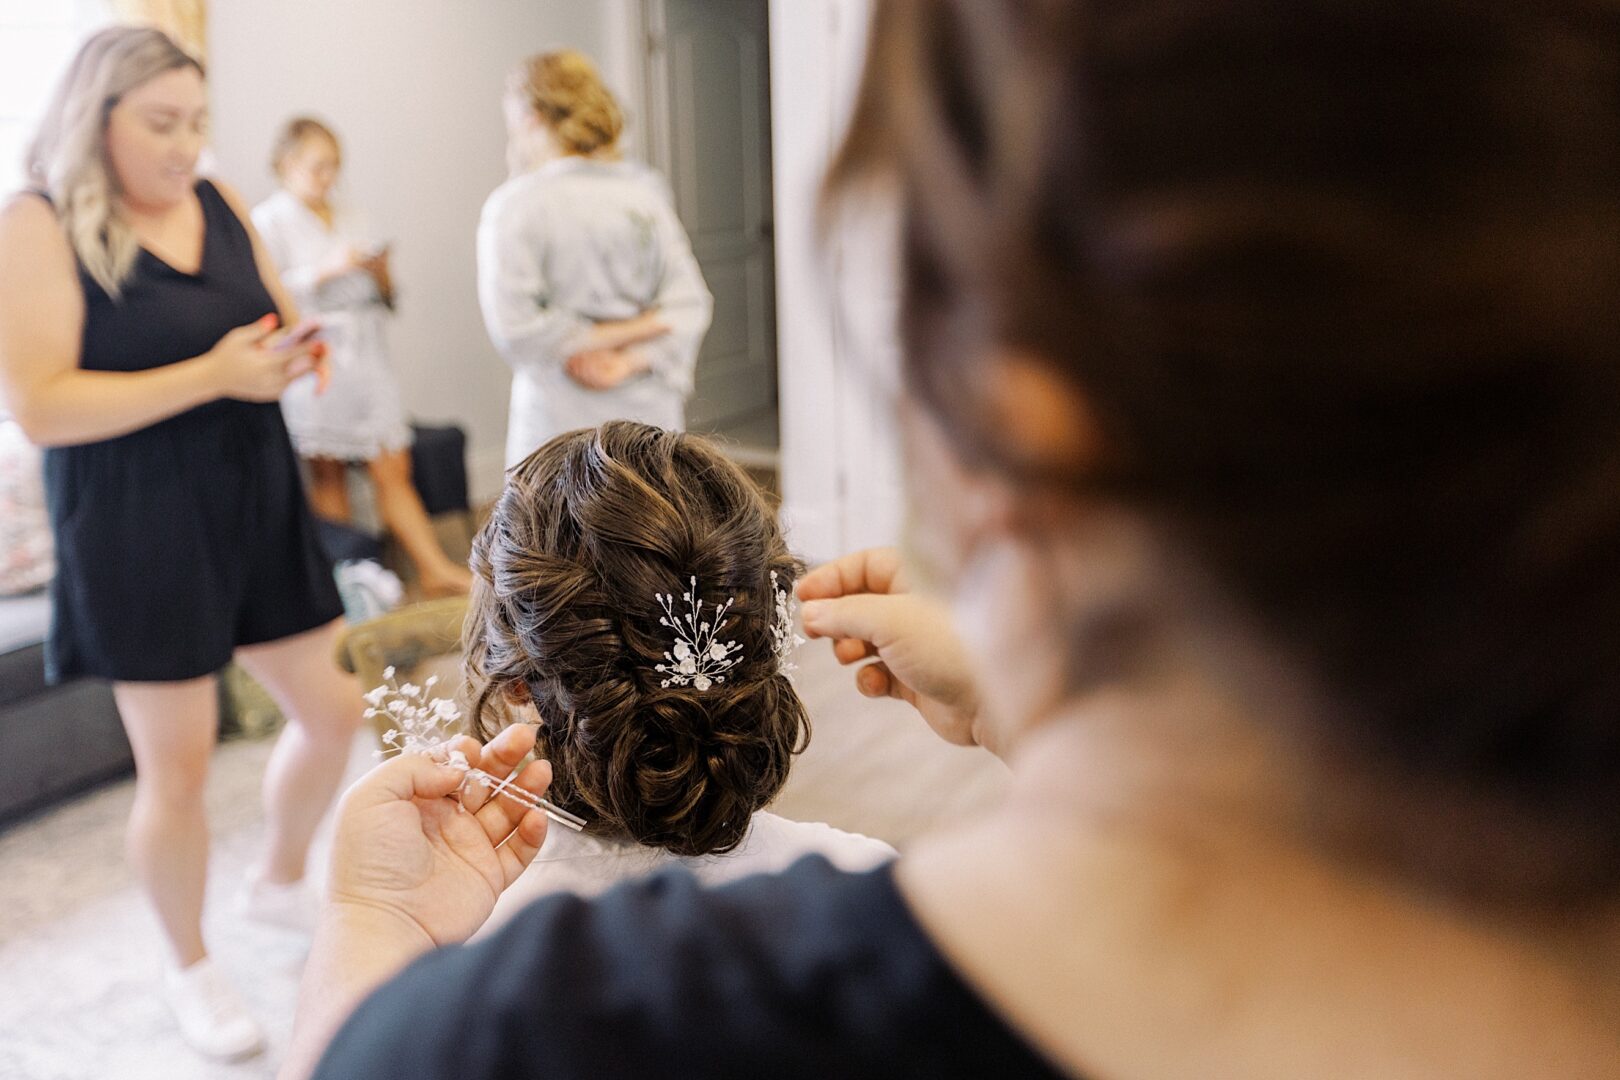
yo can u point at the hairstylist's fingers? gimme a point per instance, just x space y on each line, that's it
503 754
521 846
864 617
873 570
472 796
503 811
507 750
409 776
852 650
877 681
874 681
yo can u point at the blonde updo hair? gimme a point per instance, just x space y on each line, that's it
566 92
68 158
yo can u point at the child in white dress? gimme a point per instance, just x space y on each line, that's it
670 737
339 275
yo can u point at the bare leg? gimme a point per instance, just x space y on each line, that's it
323 710
402 511
172 727
329 488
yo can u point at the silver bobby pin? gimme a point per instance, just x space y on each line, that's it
527 798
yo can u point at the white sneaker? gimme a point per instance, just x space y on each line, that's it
212 1019
291 906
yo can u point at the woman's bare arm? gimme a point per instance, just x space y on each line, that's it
41 320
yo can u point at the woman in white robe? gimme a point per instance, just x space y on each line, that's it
586 278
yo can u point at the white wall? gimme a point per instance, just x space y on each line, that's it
835 301
412 88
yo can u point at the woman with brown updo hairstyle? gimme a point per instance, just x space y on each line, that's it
565 618
586 279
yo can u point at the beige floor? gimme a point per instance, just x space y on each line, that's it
78 949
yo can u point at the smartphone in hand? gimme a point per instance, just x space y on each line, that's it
298 335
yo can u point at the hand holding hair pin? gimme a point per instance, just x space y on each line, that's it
424 727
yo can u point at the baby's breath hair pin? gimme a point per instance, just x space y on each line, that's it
782 631
699 658
425 725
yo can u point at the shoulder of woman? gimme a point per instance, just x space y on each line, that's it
514 200
39 275
653 179
30 231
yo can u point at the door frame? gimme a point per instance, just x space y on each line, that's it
643 54
653 72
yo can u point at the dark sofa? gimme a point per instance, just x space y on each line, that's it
54 740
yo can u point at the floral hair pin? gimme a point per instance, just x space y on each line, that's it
425 725
782 632
699 658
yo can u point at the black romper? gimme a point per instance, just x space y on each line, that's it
181 541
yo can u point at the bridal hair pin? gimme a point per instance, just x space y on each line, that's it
423 725
699 658
782 632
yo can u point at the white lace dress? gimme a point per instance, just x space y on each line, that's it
361 414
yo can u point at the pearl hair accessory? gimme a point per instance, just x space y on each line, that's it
425 726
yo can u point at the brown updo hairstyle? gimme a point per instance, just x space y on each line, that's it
564 614
292 136
564 90
1337 285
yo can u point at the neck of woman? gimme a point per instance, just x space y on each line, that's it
1172 839
149 215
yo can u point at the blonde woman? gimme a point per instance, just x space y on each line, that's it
340 274
139 344
586 278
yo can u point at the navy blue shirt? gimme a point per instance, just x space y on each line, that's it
810 973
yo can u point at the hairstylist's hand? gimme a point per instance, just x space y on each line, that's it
861 602
402 847
248 366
